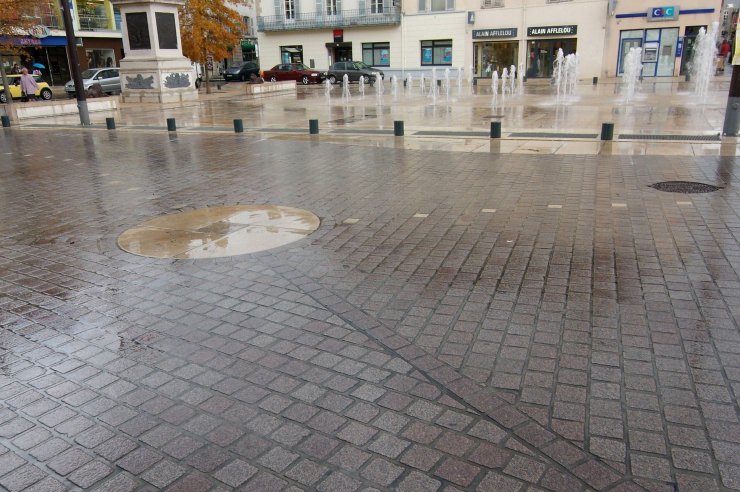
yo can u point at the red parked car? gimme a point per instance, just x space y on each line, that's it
294 71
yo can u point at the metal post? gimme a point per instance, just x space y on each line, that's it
732 113
607 131
74 64
171 125
238 126
398 128
6 121
110 123
313 127
495 129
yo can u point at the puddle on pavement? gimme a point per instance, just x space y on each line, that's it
216 232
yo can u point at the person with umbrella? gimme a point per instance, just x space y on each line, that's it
37 68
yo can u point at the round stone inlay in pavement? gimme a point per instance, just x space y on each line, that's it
216 232
684 187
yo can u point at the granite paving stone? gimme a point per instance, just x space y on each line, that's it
588 346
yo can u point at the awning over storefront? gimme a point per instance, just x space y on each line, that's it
247 45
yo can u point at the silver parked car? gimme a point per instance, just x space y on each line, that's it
108 78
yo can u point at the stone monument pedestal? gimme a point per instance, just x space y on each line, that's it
154 69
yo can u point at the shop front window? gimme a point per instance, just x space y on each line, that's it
542 55
100 58
376 54
437 52
490 56
291 54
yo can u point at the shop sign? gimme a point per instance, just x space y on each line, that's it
552 31
338 35
508 32
39 31
679 48
656 14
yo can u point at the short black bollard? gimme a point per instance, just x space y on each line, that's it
439 82
524 79
398 128
110 123
171 126
405 82
596 81
607 131
495 129
6 121
475 81
238 126
218 87
313 127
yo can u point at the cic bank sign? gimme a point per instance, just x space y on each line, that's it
662 13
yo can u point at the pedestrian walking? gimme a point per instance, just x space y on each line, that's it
28 85
724 51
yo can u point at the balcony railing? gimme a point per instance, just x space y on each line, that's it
95 23
319 20
52 21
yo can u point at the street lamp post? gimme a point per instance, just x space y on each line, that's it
74 64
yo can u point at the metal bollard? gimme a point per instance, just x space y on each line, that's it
6 121
607 131
313 127
495 129
596 81
218 87
110 123
171 126
398 128
405 82
439 82
524 79
238 126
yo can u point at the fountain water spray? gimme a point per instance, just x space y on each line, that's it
379 88
494 83
512 78
702 63
558 72
409 81
471 77
570 73
504 80
459 79
421 84
521 78
433 88
327 88
345 88
632 71
447 83
362 86
394 86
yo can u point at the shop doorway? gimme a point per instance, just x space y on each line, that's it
490 56
688 47
542 55
339 52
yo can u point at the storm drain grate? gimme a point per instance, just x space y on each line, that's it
684 187
676 138
552 135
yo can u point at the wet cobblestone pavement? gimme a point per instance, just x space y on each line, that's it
486 322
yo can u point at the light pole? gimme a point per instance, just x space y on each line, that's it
74 64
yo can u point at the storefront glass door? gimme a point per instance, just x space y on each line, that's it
490 56
624 49
542 55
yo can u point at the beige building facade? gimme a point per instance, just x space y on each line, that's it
480 35
665 31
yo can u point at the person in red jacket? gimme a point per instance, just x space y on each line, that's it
724 50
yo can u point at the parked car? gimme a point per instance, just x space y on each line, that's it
108 78
354 70
294 71
242 72
44 92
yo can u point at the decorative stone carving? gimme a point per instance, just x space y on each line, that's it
177 80
139 82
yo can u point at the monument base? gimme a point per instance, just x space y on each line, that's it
157 80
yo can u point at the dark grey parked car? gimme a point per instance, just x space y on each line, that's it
354 70
242 72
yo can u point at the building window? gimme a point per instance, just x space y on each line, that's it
376 54
331 7
376 6
291 54
437 52
289 9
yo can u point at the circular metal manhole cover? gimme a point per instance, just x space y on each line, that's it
684 187
216 232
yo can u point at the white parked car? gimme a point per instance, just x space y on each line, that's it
108 78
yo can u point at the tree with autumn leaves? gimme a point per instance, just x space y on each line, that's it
209 29
17 17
